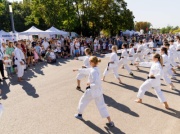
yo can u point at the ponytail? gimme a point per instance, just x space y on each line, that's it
161 60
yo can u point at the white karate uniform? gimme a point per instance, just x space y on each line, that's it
83 72
71 48
139 53
114 66
146 50
171 58
166 68
19 57
131 55
94 93
123 60
178 51
82 50
174 52
156 71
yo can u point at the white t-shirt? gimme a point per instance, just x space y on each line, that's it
8 63
45 45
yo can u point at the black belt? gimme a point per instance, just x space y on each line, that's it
130 56
178 50
108 66
139 51
88 87
151 77
122 57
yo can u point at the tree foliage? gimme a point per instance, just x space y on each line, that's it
170 29
88 17
143 25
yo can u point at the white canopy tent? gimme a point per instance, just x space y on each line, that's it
54 30
127 32
33 31
7 36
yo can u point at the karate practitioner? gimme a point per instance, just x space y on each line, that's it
85 68
173 51
112 65
94 92
124 59
139 53
166 67
131 54
153 81
146 50
19 61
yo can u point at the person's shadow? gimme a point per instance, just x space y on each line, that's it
98 130
133 88
29 89
173 112
5 90
113 103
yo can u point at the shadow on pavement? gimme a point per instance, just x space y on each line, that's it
113 103
98 130
173 112
177 92
133 88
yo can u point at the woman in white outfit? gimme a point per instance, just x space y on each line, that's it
112 65
166 67
124 59
153 81
94 92
85 67
131 54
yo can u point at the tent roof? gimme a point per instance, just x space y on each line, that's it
32 30
54 30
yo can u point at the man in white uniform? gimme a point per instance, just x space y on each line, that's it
19 61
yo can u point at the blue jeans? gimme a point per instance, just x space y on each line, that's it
8 69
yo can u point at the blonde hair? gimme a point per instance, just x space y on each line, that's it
94 60
114 48
88 51
159 57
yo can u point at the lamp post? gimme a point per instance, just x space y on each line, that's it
11 15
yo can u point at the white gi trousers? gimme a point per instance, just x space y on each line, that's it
99 100
165 75
138 55
114 68
123 61
20 69
149 84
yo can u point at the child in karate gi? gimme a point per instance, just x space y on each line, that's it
124 59
94 92
166 67
153 81
139 52
85 68
112 65
131 53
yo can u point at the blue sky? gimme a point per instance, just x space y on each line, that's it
159 12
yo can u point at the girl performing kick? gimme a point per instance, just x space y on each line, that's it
84 71
154 80
94 92
112 65
124 59
166 67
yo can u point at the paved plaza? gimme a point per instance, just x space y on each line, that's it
47 101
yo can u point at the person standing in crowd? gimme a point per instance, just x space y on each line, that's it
112 65
154 81
94 92
10 49
19 61
45 44
2 65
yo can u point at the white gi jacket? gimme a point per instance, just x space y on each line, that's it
114 58
95 82
19 56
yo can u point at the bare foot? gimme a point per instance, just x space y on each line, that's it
166 105
103 79
138 100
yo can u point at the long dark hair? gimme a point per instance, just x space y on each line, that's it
164 50
159 57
